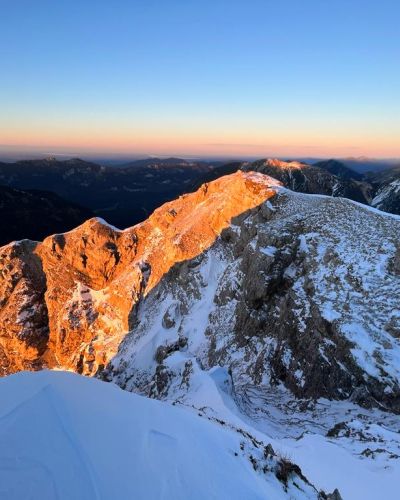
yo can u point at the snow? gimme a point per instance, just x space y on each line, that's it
105 223
330 466
265 180
328 313
63 436
269 250
329 462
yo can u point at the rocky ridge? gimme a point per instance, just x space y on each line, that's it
69 301
303 293
275 286
313 179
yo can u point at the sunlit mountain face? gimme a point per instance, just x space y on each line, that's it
115 268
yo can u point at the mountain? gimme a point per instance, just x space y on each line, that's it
381 189
155 162
34 214
241 251
124 196
120 445
253 306
387 190
310 179
58 322
339 169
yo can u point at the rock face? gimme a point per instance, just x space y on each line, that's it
303 293
69 301
276 287
24 328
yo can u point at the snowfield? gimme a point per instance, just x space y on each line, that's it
64 437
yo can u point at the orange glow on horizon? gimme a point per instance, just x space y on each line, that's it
199 142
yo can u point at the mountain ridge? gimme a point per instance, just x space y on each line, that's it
127 195
109 275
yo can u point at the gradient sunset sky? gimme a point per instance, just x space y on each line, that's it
224 78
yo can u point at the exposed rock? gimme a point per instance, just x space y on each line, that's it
69 301
298 299
24 328
387 190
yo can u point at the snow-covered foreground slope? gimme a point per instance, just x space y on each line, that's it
63 436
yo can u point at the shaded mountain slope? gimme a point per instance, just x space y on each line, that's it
339 169
387 190
294 295
34 214
125 196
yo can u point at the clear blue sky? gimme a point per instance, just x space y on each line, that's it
201 77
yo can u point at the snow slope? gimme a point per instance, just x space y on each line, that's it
306 294
63 436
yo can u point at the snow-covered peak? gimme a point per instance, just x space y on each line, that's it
275 162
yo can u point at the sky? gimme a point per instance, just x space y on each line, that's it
231 78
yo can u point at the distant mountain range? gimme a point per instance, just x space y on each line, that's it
364 164
124 195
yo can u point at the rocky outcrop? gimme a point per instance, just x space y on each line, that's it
24 328
69 301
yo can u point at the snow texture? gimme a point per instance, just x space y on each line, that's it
63 436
